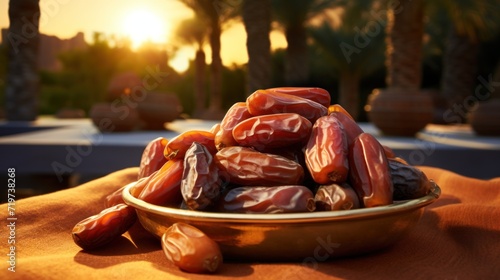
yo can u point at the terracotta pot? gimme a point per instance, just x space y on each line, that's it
485 119
109 117
400 111
157 109
122 84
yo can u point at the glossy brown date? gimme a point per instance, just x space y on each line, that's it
409 181
114 198
326 152
263 102
369 172
338 108
319 95
246 166
98 230
336 197
152 157
201 183
351 128
268 200
269 132
190 249
164 186
215 128
237 113
140 184
177 146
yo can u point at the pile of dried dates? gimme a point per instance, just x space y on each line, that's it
284 150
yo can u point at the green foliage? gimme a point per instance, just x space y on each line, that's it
192 31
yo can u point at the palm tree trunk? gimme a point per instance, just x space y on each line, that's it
349 92
22 89
216 67
460 69
257 20
404 45
199 90
297 59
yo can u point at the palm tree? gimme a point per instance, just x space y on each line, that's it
469 22
215 15
257 19
402 108
193 31
293 15
355 48
22 78
404 45
353 67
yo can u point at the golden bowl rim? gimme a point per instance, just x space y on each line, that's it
303 217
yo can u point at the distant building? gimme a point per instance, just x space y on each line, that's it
51 46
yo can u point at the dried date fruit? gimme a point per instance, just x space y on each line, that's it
201 184
369 172
269 132
140 184
409 181
164 186
115 197
215 128
263 102
336 197
237 113
326 152
401 160
152 157
268 199
246 166
177 146
351 128
319 95
338 108
190 249
99 230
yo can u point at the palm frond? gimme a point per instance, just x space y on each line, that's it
345 53
477 19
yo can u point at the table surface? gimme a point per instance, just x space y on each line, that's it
77 146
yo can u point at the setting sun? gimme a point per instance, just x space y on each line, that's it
145 26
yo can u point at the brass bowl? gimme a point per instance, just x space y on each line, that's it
307 237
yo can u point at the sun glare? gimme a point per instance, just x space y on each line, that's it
144 26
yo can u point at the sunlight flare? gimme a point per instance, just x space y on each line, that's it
143 26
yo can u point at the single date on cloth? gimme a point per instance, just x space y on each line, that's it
11 219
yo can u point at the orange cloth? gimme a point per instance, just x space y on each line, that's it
458 237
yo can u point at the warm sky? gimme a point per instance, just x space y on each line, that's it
64 18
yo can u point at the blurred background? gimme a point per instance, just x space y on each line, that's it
200 48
